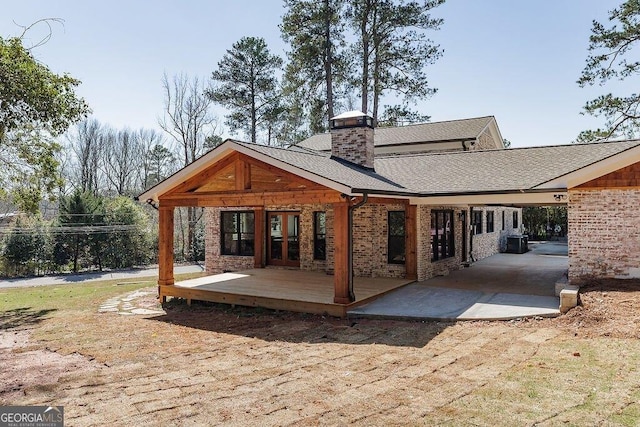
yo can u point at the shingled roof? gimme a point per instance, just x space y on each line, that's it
517 169
428 174
452 130
324 166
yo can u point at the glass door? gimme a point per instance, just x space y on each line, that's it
283 239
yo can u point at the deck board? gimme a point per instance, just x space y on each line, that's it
286 289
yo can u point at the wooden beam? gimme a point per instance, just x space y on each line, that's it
336 310
249 198
291 177
175 202
258 238
204 176
165 250
411 244
243 175
341 253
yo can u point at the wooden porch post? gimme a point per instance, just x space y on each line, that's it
411 245
165 251
341 253
258 238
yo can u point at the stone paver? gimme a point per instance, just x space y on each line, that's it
126 304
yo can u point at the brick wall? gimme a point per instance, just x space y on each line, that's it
354 145
306 238
487 244
426 268
604 234
370 246
215 263
369 241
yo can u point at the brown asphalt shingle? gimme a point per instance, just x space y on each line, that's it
453 130
494 170
454 172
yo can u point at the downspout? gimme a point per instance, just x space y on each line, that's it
365 197
152 203
471 234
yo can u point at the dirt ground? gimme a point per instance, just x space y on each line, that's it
212 364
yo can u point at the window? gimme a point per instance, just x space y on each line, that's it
504 224
319 235
442 235
489 221
515 219
477 222
237 233
395 241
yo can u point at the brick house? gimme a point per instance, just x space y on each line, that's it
411 202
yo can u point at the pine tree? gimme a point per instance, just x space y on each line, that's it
611 58
79 214
393 49
246 84
317 65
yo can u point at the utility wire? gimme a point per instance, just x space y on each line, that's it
83 229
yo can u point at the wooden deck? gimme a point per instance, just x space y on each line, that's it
281 289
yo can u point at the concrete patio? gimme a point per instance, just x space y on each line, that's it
500 287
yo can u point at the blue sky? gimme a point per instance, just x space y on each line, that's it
516 60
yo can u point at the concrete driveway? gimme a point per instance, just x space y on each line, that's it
500 287
65 279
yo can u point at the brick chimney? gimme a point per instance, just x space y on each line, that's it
352 138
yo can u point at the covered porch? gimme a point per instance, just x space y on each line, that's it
260 189
283 289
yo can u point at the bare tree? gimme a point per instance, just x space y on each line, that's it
187 117
120 160
155 159
84 142
188 120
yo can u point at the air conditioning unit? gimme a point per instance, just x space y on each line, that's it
517 244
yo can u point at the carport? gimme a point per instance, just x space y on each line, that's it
500 287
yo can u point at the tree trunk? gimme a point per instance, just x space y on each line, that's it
376 67
253 106
328 62
75 254
364 19
191 232
181 235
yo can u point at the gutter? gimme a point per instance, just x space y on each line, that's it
149 202
460 193
152 204
365 198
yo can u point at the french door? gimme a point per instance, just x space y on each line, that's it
283 239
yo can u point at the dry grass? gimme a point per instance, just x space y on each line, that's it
212 364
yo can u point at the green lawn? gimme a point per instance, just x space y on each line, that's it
19 305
